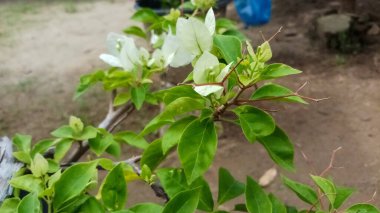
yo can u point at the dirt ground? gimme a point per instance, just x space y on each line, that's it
45 48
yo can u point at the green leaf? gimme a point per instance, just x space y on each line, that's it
135 30
254 122
145 15
229 187
23 156
174 133
277 205
197 148
236 33
224 23
41 146
362 208
277 70
153 155
132 139
183 202
304 192
114 149
228 46
146 208
63 132
76 124
62 148
91 205
264 52
114 189
72 182
174 181
86 81
138 96
9 205
88 133
27 183
173 93
280 148
99 144
121 99
327 187
241 207
22 142
256 199
29 204
276 93
342 193
39 165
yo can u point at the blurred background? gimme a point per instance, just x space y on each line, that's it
45 46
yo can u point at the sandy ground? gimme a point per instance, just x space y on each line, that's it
43 56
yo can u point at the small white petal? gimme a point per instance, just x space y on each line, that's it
210 21
205 62
208 89
111 60
223 73
113 42
124 59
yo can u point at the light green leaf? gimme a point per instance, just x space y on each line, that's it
327 187
197 148
99 144
153 155
276 92
277 70
114 149
173 93
22 142
76 124
29 204
88 133
9 205
23 156
256 199
304 192
229 46
114 189
174 181
27 183
254 122
174 133
183 202
342 193
72 182
135 30
62 148
264 52
91 205
280 148
229 187
39 165
277 205
86 81
146 208
41 146
132 139
63 132
138 96
121 98
362 208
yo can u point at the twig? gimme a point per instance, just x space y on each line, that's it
372 198
262 36
232 70
273 36
331 162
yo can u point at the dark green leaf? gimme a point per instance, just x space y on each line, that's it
22 142
153 155
362 208
147 208
197 148
29 204
132 139
280 148
114 189
342 193
256 199
277 205
183 202
304 192
228 46
236 33
145 15
135 30
276 92
277 70
254 122
114 149
241 207
72 182
174 133
229 187
138 96
326 186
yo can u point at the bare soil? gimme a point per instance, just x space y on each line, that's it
43 54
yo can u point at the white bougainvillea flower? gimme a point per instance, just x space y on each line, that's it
207 70
172 48
159 59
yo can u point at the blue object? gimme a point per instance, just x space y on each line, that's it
254 12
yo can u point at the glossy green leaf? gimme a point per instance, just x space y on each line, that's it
277 205
304 192
229 187
342 194
101 142
264 52
145 15
29 204
9 205
183 202
114 189
22 142
62 147
39 165
27 183
72 182
153 155
91 205
87 81
256 199
277 70
121 99
174 133
279 148
114 149
276 92
326 186
197 148
171 94
147 208
135 30
132 139
362 208
138 96
41 146
229 47
174 181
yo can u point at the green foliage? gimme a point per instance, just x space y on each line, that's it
229 188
